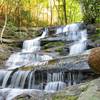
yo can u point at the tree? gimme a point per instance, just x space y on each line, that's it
90 10
64 10
5 23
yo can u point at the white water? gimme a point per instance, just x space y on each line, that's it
34 44
55 77
80 45
29 53
17 79
31 45
70 31
55 86
75 34
2 75
5 80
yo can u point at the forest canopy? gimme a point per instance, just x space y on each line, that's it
30 13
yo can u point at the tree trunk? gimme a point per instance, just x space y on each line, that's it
64 10
3 28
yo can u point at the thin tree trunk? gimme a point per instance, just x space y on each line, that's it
64 9
57 9
51 14
3 28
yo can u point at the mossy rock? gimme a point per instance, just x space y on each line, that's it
53 44
95 36
64 97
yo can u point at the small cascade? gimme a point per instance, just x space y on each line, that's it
18 79
80 45
31 45
52 77
55 86
77 34
34 44
70 31
29 53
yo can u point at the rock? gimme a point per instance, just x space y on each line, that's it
91 29
22 29
92 92
94 59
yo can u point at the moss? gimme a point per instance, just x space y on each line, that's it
53 44
59 50
84 88
23 98
64 97
95 36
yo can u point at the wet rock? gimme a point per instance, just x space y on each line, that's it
90 44
94 59
91 29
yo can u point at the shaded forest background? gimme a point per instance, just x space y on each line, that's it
29 13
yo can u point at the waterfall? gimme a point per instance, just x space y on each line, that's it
75 33
31 45
29 53
55 86
34 44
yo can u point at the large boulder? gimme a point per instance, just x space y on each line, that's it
94 60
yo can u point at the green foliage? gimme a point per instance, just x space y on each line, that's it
90 10
74 13
30 13
96 36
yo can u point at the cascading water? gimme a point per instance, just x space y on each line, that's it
18 79
55 77
2 75
34 44
70 31
22 79
75 32
55 86
29 53
80 45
